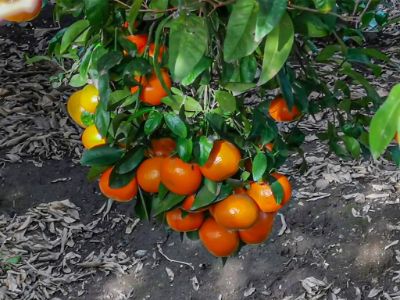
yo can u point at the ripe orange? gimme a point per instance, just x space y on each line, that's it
179 177
218 240
123 194
85 100
260 231
279 110
162 147
238 211
92 138
161 51
269 147
20 10
187 204
140 40
152 91
148 174
240 190
262 194
89 98
223 161
190 222
75 109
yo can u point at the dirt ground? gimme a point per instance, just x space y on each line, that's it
337 239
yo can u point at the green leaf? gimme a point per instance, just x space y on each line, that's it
385 123
184 148
153 122
328 52
202 65
352 145
77 80
176 124
108 61
248 69
193 235
324 6
271 12
371 92
95 172
97 12
36 58
205 147
277 190
72 33
206 194
190 104
226 101
120 180
311 25
14 260
130 161
188 41
259 166
240 32
166 204
277 49
101 156
133 13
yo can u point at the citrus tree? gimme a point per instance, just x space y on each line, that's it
182 102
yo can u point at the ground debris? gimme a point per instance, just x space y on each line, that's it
38 255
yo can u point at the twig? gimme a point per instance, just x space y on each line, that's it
344 18
173 260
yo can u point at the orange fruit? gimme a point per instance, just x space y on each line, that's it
89 98
190 222
91 137
179 177
148 174
269 147
279 110
187 204
223 161
140 40
152 91
161 51
260 231
123 194
84 100
162 147
238 211
262 194
218 240
20 10
240 190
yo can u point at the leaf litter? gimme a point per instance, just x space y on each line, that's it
40 252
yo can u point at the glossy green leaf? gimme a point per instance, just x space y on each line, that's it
206 194
101 156
184 148
72 33
352 145
97 12
239 40
176 125
277 49
205 147
324 6
226 101
167 203
120 180
188 41
202 65
130 161
271 12
277 190
153 122
385 123
259 166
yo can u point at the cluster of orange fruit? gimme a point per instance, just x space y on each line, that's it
152 90
247 215
19 10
